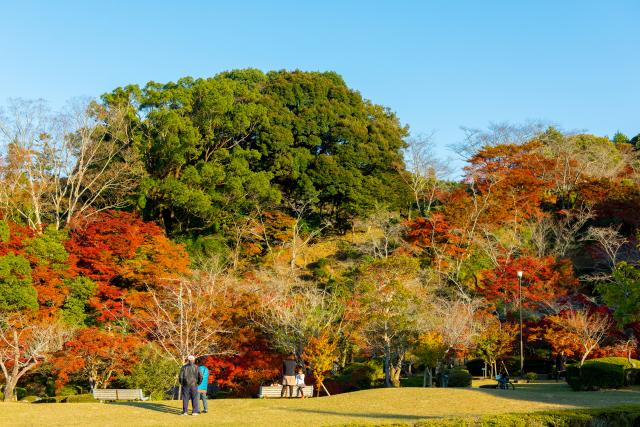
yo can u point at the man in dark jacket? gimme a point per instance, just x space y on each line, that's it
288 375
190 377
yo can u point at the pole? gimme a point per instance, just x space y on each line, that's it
521 338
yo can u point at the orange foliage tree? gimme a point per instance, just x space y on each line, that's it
581 331
96 356
544 281
25 343
123 254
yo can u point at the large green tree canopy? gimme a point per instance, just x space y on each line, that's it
215 148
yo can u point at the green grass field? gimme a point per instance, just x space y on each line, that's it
379 406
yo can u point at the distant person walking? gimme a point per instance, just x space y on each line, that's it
190 376
202 388
288 375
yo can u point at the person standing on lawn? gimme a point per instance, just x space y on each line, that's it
190 376
300 383
288 375
202 388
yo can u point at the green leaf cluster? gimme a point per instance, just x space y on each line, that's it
622 293
16 290
74 311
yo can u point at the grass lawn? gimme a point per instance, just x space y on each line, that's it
377 406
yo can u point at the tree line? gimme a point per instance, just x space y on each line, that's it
250 215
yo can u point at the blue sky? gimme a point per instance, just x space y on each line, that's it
438 64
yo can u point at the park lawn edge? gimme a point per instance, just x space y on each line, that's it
614 416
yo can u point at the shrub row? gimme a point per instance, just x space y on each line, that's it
459 377
356 376
75 398
595 374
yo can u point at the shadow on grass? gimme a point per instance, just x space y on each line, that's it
378 415
157 407
562 394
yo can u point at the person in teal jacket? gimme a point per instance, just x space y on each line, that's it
202 387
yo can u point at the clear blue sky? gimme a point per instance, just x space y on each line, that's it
438 64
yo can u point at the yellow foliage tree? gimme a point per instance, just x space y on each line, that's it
430 349
320 354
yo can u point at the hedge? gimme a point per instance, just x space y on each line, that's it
607 372
79 398
458 377
621 416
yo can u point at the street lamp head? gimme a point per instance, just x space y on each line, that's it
520 274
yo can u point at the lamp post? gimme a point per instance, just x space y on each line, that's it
520 309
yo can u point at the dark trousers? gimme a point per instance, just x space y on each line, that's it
300 391
190 393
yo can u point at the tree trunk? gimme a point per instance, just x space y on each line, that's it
9 391
584 357
395 376
427 377
387 367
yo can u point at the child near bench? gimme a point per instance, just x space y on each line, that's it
300 383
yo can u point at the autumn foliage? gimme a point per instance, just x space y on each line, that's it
248 216
97 355
123 255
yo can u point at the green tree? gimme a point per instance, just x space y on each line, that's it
325 142
429 349
193 142
153 373
16 290
622 293
389 296
214 148
74 310
47 248
620 138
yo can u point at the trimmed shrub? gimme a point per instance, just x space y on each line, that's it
46 400
459 377
594 376
606 372
21 393
530 377
356 376
623 361
70 390
79 398
29 399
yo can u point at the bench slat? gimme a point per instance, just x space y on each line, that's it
275 391
118 394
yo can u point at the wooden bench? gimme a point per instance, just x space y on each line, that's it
275 390
103 394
